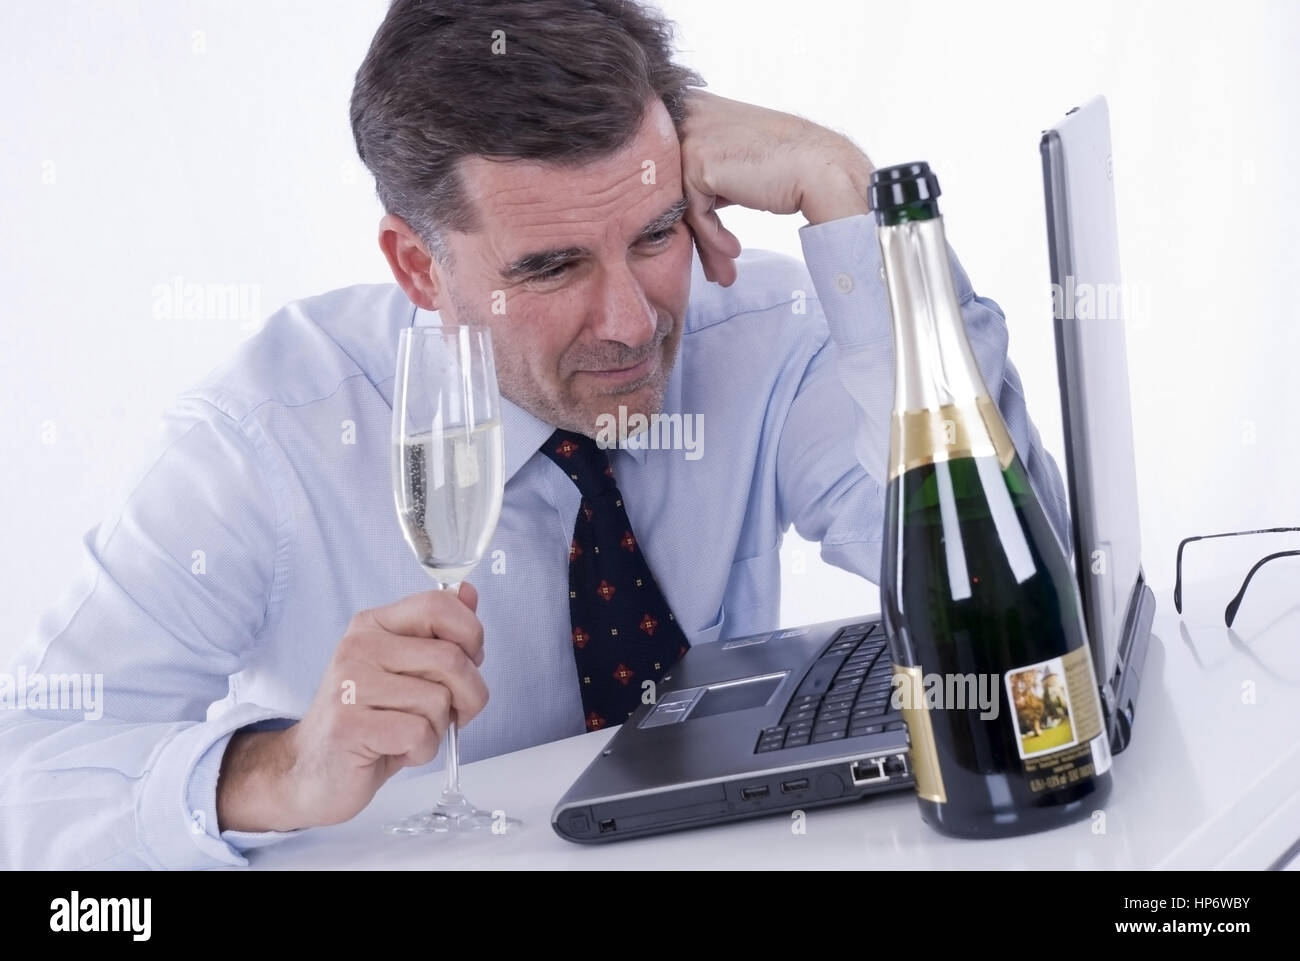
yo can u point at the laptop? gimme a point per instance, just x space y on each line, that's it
800 717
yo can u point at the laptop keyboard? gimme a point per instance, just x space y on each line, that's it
844 694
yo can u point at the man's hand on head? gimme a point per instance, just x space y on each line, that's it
738 153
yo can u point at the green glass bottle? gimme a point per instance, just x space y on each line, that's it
991 662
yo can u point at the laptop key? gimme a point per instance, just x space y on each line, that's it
797 740
827 736
774 732
874 691
862 730
820 675
874 703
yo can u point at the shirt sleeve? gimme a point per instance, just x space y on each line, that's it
174 592
833 492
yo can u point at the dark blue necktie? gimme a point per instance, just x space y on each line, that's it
624 632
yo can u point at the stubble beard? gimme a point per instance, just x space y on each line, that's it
519 387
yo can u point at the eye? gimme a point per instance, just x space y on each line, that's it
659 237
552 273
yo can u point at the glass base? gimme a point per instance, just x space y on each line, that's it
454 815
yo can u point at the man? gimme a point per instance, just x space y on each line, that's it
549 172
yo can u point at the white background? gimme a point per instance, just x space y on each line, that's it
150 141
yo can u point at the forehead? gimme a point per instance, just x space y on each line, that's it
524 199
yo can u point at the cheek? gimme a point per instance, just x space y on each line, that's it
537 331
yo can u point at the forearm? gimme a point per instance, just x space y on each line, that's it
252 792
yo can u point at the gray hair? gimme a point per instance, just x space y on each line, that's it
564 81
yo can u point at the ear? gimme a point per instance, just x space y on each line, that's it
414 268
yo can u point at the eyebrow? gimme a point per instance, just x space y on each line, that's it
544 260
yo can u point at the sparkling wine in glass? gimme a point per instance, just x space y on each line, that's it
448 456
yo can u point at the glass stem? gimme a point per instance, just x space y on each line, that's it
451 792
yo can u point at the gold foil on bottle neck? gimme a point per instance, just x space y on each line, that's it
932 436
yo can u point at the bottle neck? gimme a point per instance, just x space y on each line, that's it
942 408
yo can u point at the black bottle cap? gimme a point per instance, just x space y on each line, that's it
904 192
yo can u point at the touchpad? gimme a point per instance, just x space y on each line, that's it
737 695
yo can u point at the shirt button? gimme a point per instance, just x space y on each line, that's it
844 282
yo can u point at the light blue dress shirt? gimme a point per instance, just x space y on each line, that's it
214 597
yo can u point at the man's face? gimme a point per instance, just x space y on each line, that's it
582 273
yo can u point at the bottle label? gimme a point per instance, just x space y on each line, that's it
1056 713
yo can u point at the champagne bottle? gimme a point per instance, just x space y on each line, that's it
992 668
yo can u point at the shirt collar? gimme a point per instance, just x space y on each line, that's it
525 433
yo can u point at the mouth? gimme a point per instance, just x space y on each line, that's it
622 375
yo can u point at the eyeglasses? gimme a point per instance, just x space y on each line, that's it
1229 613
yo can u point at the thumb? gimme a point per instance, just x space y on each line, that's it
468 595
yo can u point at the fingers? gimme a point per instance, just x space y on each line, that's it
718 246
405 693
431 614
387 700
468 595
427 661
410 738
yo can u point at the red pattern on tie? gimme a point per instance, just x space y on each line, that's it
623 628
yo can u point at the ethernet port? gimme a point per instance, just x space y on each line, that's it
896 766
867 769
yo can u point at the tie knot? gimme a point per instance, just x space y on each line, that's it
582 460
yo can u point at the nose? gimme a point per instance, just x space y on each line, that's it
621 312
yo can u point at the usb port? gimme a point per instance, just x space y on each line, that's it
794 787
606 825
868 770
753 792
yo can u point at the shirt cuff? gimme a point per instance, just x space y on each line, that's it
843 259
177 806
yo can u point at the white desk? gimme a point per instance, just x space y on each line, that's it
1208 782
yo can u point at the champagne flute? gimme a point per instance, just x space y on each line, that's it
448 456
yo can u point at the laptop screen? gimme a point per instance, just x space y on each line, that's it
1090 311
